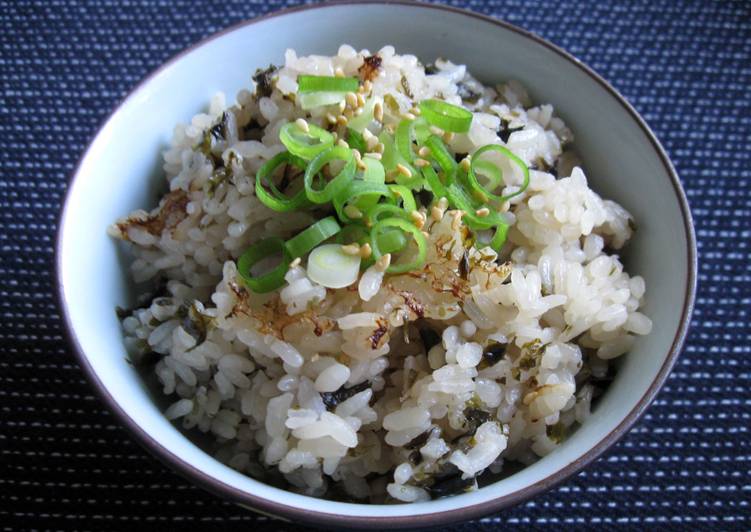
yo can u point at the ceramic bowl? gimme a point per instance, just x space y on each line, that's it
120 169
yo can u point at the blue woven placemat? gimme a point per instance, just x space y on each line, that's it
66 463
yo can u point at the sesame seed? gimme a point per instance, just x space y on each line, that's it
383 263
339 73
435 213
424 152
365 250
418 218
342 104
421 163
351 99
379 148
330 118
482 213
435 130
408 116
342 143
415 111
295 263
378 111
457 221
302 125
406 172
443 203
351 249
360 99
367 85
465 164
342 120
448 137
348 113
353 212
374 155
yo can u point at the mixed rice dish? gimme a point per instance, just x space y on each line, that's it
373 279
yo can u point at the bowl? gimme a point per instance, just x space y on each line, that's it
120 168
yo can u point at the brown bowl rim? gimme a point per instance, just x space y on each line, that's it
278 509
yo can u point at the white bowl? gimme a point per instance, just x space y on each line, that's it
120 168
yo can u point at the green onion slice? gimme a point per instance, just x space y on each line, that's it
326 84
436 186
355 140
276 200
403 140
305 145
405 194
363 120
270 280
440 154
446 116
358 190
311 100
475 185
322 230
337 184
407 227
386 210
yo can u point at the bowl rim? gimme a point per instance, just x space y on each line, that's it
311 516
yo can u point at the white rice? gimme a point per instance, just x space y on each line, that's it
335 392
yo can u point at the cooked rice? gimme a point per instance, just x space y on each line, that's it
345 393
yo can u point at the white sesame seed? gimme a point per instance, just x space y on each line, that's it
365 250
424 152
342 143
353 212
351 249
374 155
482 213
339 73
351 99
406 172
421 163
378 111
435 130
302 125
295 263
383 263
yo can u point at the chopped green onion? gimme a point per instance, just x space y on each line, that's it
434 182
355 191
475 185
399 223
403 140
446 116
311 100
363 120
391 241
333 187
355 140
322 230
326 84
271 280
299 142
377 212
440 154
277 200
490 171
405 194
330 266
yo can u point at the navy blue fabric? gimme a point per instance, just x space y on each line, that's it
66 463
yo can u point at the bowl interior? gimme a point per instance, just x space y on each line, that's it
121 170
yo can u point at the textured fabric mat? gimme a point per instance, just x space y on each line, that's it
65 462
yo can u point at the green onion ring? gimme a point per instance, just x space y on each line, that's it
407 227
440 154
296 140
446 116
326 84
305 240
355 140
475 185
278 201
373 215
405 194
333 187
403 140
358 190
255 253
